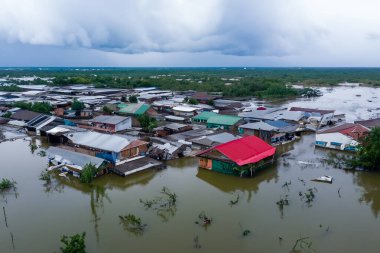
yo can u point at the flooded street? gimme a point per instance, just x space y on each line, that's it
343 216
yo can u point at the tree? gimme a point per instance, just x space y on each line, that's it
77 105
369 152
107 110
133 99
42 107
211 102
88 173
123 99
193 101
147 123
74 243
7 115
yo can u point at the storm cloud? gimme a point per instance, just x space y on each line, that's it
270 28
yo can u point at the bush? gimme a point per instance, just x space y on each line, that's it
74 244
88 173
369 152
147 123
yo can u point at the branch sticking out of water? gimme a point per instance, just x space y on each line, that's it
301 243
197 245
133 224
235 201
203 219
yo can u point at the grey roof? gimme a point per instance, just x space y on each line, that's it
73 158
108 142
109 119
223 137
259 126
136 164
257 114
285 115
174 126
216 139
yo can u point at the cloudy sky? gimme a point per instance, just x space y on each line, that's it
189 33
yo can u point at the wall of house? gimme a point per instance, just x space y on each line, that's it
126 124
335 141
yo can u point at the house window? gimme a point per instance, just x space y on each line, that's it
321 143
336 144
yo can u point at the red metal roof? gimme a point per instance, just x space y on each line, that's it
245 150
355 131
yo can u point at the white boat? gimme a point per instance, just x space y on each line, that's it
325 179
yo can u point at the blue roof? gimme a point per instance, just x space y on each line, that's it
277 123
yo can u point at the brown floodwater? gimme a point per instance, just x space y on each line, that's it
345 221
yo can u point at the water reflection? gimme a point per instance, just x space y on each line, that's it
369 181
233 184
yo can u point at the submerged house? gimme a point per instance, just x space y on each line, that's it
344 137
73 161
110 147
271 131
136 164
162 149
241 157
316 117
209 141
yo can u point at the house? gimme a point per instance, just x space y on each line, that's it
371 123
74 161
205 142
270 131
136 164
108 124
225 122
172 128
204 97
215 120
185 111
241 157
343 137
162 149
136 110
38 122
24 115
203 117
110 147
133 109
316 117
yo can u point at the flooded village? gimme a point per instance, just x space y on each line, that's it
153 170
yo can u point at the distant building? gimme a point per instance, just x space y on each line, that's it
371 123
109 124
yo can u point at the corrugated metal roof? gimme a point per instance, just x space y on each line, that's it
72 158
250 149
134 109
100 141
223 120
259 126
204 115
106 119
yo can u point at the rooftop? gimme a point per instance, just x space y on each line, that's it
109 119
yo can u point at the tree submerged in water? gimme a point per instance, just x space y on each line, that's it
88 173
132 224
6 185
74 243
203 219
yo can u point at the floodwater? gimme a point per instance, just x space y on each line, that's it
343 217
358 103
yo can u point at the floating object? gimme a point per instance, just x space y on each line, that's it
325 179
306 163
63 174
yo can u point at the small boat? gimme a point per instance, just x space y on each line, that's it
325 179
